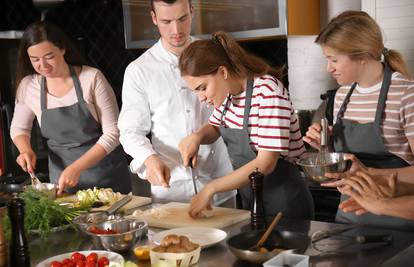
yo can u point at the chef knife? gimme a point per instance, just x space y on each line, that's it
194 175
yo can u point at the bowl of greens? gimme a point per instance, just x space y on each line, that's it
43 215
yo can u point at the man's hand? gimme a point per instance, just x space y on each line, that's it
189 149
157 172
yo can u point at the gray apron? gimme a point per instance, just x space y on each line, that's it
366 142
70 132
283 189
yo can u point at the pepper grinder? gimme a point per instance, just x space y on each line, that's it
257 215
3 246
19 251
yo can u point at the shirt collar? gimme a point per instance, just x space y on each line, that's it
171 58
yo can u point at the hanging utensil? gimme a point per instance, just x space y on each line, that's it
263 239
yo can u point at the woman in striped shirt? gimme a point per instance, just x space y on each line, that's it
373 108
254 116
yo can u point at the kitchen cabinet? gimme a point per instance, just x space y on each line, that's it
303 17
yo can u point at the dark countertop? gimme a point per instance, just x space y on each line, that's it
219 255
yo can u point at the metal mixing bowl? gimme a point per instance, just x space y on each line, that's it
83 221
129 232
48 188
278 241
316 165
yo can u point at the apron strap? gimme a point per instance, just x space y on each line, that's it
342 109
42 94
383 93
223 113
247 103
76 83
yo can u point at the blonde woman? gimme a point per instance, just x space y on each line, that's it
373 111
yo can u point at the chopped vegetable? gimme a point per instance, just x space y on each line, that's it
90 196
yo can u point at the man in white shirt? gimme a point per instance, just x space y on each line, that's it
156 101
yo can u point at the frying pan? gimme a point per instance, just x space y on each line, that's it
11 188
278 241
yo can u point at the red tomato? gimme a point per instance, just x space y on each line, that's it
55 264
93 257
68 262
80 263
78 257
103 261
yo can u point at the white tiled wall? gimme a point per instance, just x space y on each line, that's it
396 18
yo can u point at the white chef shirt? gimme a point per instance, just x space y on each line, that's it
156 100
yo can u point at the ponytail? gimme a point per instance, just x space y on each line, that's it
204 57
396 62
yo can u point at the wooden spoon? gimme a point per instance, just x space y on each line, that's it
264 237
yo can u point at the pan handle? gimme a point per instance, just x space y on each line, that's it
362 239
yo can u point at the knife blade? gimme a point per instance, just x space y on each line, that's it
119 204
194 176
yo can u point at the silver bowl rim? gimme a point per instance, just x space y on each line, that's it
301 163
143 227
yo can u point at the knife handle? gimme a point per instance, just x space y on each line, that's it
362 239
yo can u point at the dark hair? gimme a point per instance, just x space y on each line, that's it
39 32
204 57
357 35
170 2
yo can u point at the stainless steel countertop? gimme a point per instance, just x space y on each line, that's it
219 255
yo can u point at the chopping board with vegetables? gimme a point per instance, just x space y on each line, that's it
102 199
174 214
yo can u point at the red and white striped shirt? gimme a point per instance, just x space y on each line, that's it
272 123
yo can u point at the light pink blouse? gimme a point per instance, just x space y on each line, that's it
97 93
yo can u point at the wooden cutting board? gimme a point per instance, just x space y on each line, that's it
134 203
176 216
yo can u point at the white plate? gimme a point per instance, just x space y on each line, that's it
204 236
115 259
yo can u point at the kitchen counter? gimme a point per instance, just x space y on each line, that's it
220 255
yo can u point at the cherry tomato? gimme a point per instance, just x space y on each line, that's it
93 257
103 261
55 264
77 257
68 262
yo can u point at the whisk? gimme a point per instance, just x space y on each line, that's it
324 149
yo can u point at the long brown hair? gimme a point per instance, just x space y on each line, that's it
357 35
204 57
39 32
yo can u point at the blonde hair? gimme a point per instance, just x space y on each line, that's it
357 35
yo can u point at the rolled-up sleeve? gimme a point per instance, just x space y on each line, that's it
107 111
135 119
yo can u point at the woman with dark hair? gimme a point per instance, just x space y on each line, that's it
76 109
373 108
254 116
